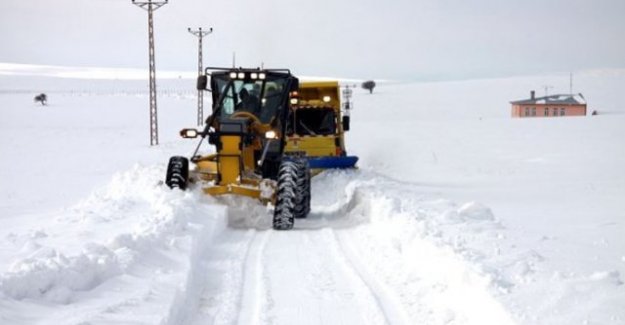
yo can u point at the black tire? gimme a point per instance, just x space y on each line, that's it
302 201
177 173
286 196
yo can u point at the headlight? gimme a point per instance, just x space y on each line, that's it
241 75
189 133
261 76
233 75
294 101
271 134
254 75
326 99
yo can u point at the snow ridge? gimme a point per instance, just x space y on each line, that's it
52 276
152 229
411 251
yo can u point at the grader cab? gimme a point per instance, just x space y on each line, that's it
248 127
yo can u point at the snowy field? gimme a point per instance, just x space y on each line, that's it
458 214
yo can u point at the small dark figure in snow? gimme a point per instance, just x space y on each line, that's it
369 85
41 98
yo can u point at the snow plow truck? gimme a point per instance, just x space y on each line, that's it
317 125
268 132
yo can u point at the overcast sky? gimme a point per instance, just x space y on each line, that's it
392 39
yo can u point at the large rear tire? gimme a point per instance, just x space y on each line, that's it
302 201
286 196
177 173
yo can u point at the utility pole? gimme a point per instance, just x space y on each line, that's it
150 6
547 87
347 106
200 94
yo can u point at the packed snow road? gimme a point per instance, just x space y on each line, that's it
333 268
288 278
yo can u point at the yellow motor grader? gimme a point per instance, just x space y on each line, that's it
267 132
247 126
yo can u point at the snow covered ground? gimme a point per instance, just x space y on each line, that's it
457 215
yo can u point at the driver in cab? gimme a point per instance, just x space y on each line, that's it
249 103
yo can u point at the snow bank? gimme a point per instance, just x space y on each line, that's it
417 247
53 276
137 221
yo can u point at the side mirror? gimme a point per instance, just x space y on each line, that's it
202 82
345 123
294 84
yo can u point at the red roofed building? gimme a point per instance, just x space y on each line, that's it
550 106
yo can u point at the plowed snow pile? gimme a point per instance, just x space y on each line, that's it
457 215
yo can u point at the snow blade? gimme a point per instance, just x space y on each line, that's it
333 162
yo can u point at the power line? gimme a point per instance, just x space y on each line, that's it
200 94
150 6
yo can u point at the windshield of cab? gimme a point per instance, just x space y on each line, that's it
313 121
262 98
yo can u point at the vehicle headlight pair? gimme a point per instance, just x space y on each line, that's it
253 75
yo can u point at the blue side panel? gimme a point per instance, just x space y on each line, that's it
332 162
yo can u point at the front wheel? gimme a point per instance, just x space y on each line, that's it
177 173
302 200
286 196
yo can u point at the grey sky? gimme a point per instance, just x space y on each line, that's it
395 39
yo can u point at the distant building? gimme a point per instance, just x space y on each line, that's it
550 106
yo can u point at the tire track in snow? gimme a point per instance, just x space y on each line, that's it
222 283
252 288
388 303
309 281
